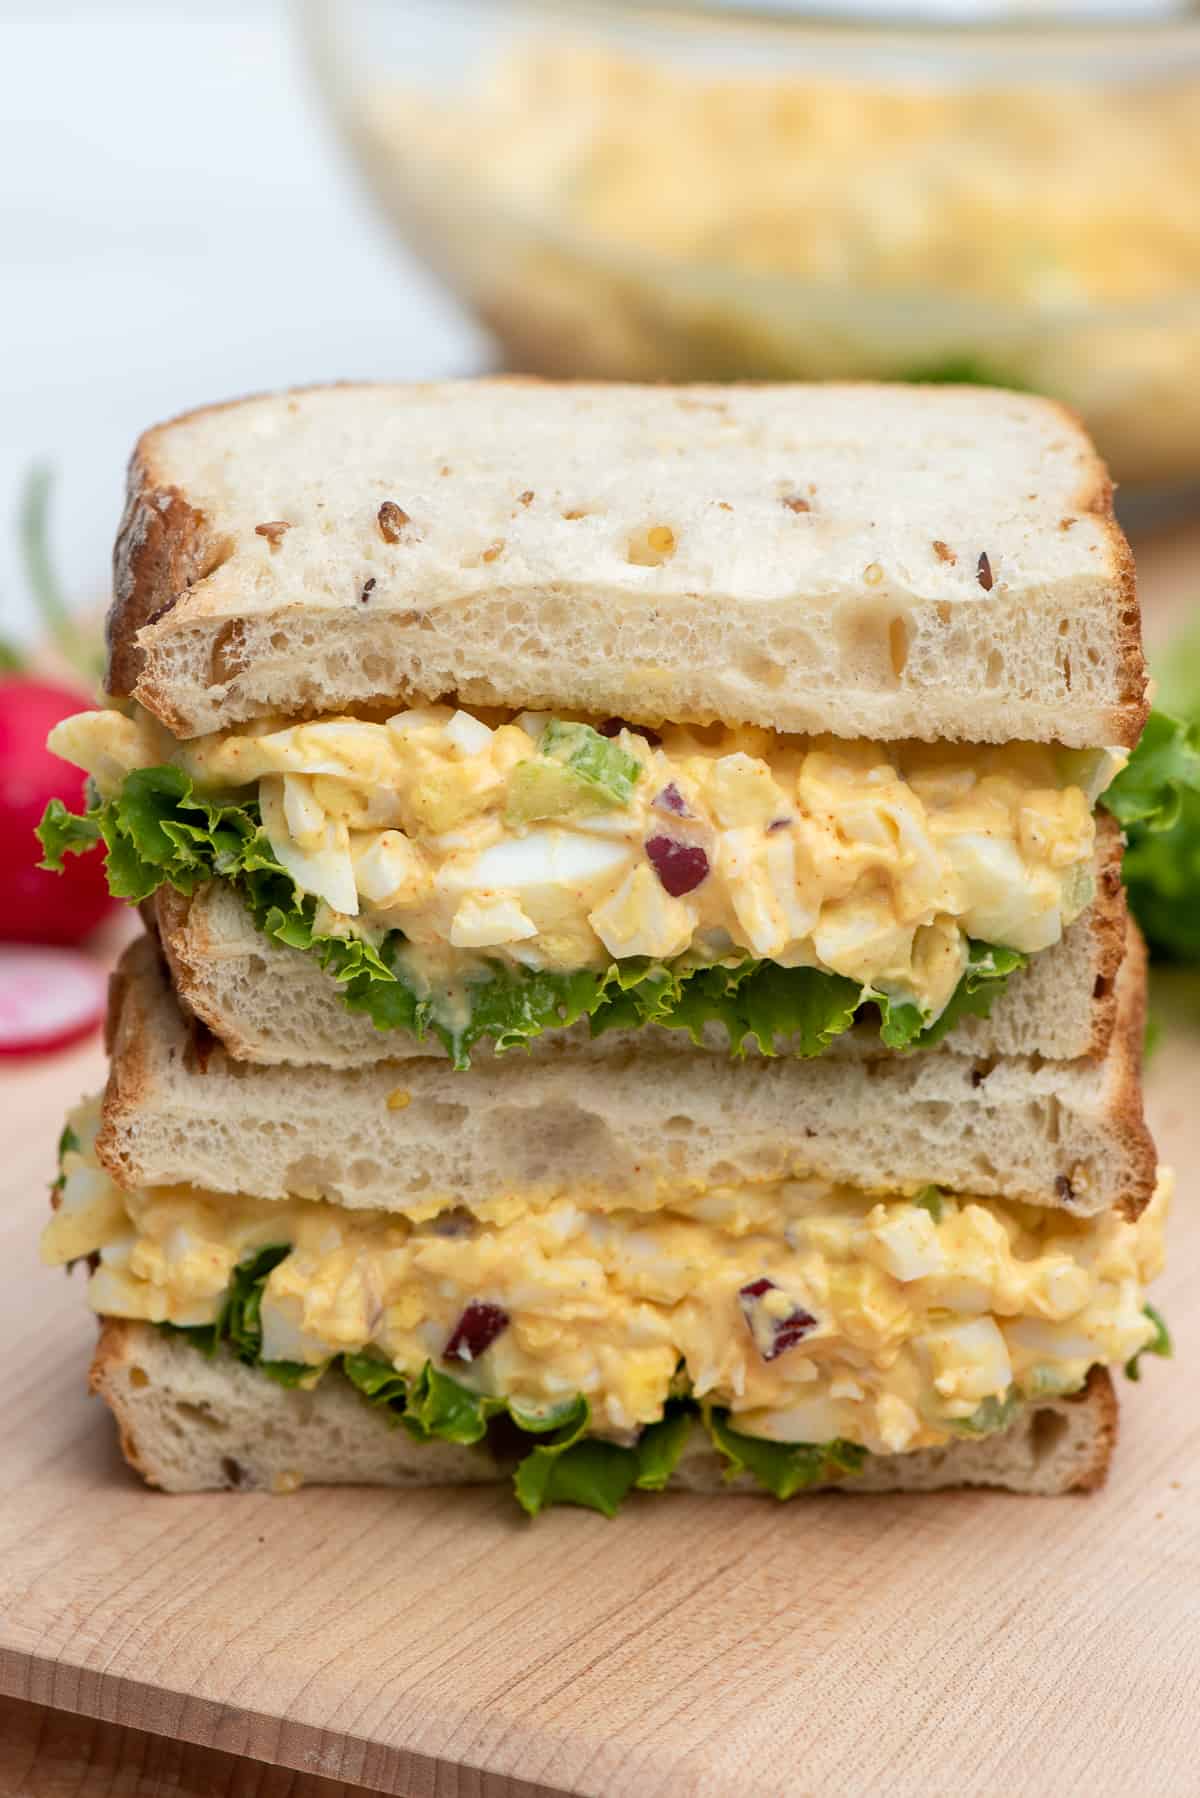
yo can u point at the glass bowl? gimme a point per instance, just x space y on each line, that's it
708 192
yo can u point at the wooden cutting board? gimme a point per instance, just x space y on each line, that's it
438 1644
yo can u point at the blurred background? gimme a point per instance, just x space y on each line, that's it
177 226
199 201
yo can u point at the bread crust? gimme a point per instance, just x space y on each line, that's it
1131 1136
1110 926
332 1437
164 546
168 546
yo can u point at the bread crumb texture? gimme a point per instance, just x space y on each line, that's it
579 535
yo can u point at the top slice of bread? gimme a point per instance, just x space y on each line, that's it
874 561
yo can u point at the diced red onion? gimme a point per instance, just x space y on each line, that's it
672 800
475 1331
786 1331
680 866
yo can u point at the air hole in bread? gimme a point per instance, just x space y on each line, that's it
994 673
1049 1428
651 546
138 1377
441 1113
864 633
679 1126
192 1415
557 1142
762 670
898 645
216 554
310 1175
228 652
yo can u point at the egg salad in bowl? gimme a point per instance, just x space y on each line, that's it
472 875
797 1314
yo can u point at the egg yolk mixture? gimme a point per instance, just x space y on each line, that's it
1023 192
548 845
811 1311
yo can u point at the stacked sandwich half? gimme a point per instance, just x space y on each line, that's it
637 990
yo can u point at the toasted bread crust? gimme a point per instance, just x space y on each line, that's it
1109 918
167 545
163 546
1099 1393
115 1349
1130 1130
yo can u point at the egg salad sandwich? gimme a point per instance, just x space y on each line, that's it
464 716
740 755
409 1276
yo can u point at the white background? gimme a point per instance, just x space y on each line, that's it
177 225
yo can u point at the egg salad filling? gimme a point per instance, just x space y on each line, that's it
569 864
804 1312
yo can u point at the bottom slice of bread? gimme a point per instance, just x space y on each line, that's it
189 1424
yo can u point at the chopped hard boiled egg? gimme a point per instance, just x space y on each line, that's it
554 846
807 1309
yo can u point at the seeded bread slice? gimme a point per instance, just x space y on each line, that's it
602 1121
271 1004
188 1424
874 561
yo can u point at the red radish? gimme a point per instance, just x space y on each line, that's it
48 998
35 905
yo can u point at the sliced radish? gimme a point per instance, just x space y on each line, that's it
48 998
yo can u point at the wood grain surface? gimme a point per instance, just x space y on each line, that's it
52 1754
439 1646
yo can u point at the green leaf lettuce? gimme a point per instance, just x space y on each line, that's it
160 830
1157 800
1159 1344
